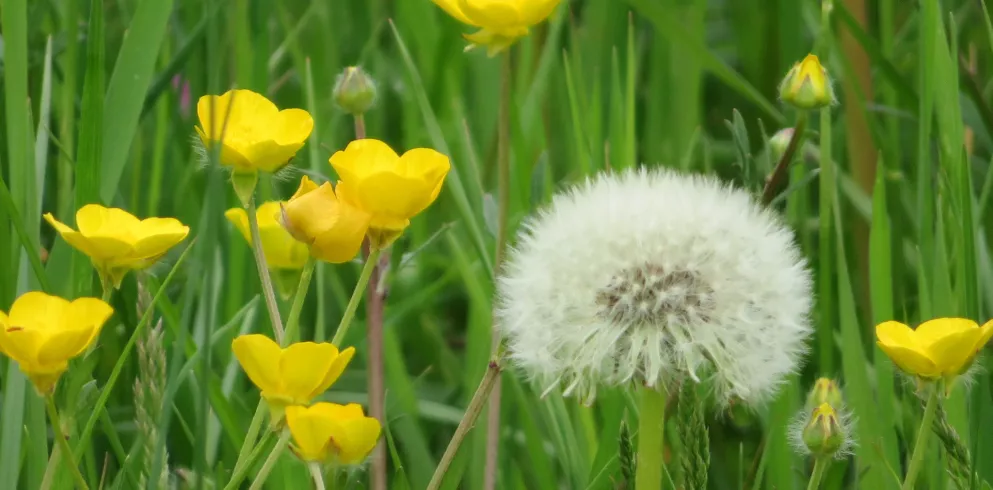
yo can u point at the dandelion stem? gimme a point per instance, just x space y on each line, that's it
293 320
60 439
820 465
353 302
270 462
920 447
260 262
782 168
468 420
651 426
315 472
503 208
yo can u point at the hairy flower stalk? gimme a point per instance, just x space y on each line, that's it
149 389
959 465
692 427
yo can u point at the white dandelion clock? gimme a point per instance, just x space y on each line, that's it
654 277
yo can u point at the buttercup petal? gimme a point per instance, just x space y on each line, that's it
910 361
233 112
22 345
951 352
986 332
495 14
259 357
451 7
934 330
896 333
342 243
239 218
390 198
63 345
311 432
313 213
93 219
87 313
292 127
37 311
156 236
232 153
535 11
334 372
303 367
269 156
363 157
360 438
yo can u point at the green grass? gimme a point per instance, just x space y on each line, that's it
894 223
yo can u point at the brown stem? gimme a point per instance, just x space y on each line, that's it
782 168
503 207
375 306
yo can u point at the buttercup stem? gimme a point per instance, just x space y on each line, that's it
315 472
53 462
108 290
353 302
251 438
782 168
651 426
260 262
359 126
270 462
503 208
293 320
468 420
923 434
820 465
240 473
60 439
375 308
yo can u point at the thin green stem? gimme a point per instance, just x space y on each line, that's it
270 462
53 462
60 439
108 292
503 210
240 473
260 262
293 320
920 447
353 302
820 466
468 420
251 438
317 475
651 426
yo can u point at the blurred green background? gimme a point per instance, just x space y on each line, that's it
99 105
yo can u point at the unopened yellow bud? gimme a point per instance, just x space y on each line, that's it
825 390
824 435
355 91
807 85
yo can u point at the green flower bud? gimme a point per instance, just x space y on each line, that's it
354 91
779 142
824 434
825 390
807 85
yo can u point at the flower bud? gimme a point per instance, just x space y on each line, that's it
824 434
354 91
779 142
825 390
807 85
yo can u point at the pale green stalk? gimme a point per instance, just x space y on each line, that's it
820 465
251 438
293 320
270 462
267 290
240 473
60 439
923 435
353 302
651 427
315 472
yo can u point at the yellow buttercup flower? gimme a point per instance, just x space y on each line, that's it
330 433
391 188
501 22
939 348
254 134
42 333
281 250
807 85
116 241
294 375
331 228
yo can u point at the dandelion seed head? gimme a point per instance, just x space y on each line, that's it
655 277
